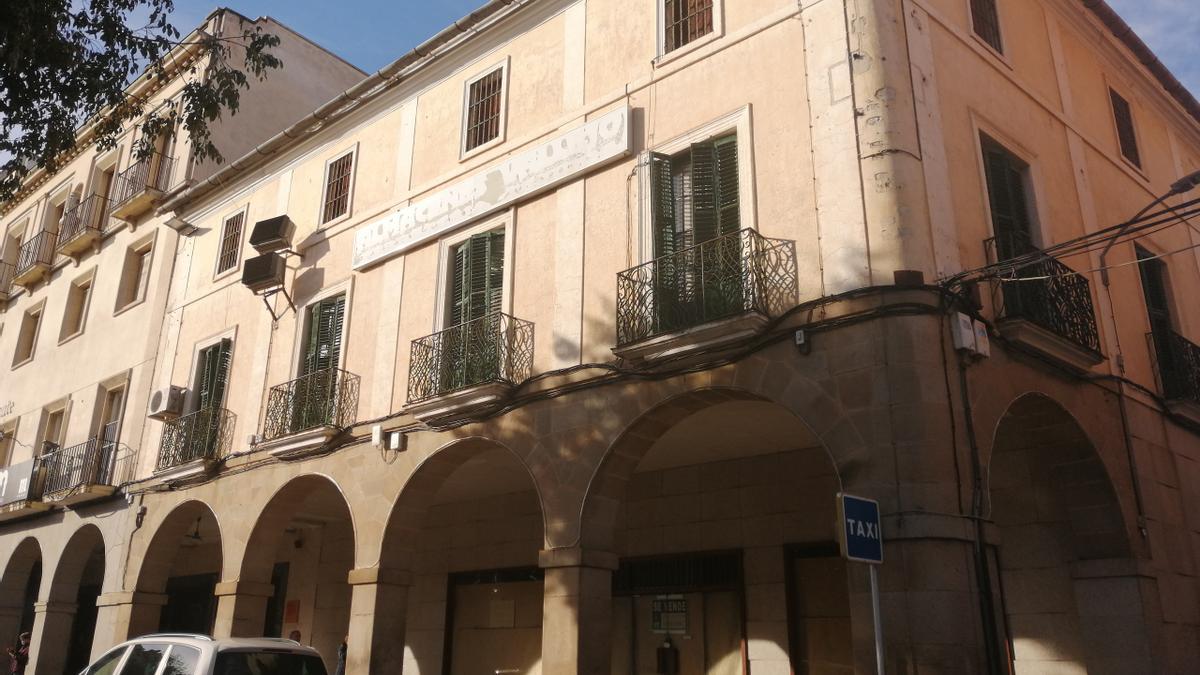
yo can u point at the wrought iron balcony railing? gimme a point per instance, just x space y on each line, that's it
1046 293
149 173
1178 362
96 461
733 274
39 250
88 216
325 398
493 348
204 434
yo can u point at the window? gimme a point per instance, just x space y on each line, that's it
109 428
264 663
986 21
107 665
1007 197
1126 133
181 660
685 21
53 430
6 445
54 215
477 284
75 314
323 341
695 195
485 110
1170 357
231 243
144 659
28 335
338 174
12 244
134 275
212 374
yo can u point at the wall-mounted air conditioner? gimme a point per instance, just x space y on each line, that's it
166 404
263 272
272 235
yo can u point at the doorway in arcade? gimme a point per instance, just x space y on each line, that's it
725 534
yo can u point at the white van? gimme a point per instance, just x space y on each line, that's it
190 654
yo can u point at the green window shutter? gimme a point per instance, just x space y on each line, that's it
705 223
1010 208
662 205
728 195
478 282
214 374
324 334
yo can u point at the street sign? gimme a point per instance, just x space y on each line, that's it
862 539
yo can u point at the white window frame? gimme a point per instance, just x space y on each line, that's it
40 309
62 405
60 195
663 57
502 66
980 127
502 221
345 286
353 152
149 244
237 262
189 399
103 390
739 122
90 278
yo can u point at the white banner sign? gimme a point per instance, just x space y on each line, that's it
541 168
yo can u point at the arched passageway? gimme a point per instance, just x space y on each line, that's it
69 627
466 532
181 567
720 507
295 570
1067 585
19 588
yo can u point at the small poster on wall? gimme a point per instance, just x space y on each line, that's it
669 614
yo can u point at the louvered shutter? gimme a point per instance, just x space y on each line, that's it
495 272
478 282
324 335
1010 208
728 194
662 205
214 374
705 225
459 290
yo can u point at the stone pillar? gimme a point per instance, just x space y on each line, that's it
52 630
1117 601
378 608
125 615
577 611
241 608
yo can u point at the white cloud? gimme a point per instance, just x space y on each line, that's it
1170 28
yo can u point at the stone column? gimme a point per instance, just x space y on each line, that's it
577 611
241 608
1119 614
125 615
378 608
51 630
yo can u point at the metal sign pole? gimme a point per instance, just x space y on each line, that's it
878 621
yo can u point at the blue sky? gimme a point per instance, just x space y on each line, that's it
372 34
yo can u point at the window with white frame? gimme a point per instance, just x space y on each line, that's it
695 194
685 21
484 117
27 336
231 242
75 313
135 274
54 430
339 175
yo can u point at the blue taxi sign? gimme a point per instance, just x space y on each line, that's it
862 537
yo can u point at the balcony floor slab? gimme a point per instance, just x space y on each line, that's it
711 335
300 444
459 403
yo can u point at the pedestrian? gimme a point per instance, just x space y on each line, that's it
341 664
18 654
294 636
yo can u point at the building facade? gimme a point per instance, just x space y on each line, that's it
548 347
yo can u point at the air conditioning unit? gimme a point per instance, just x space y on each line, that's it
166 404
272 235
263 272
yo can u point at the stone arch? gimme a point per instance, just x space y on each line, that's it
471 513
71 599
299 553
19 588
609 483
182 562
1067 577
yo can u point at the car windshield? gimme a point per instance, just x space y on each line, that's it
267 663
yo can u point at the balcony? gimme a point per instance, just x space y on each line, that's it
34 260
705 296
469 366
302 415
1047 308
7 270
82 226
138 187
192 444
1177 362
86 472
